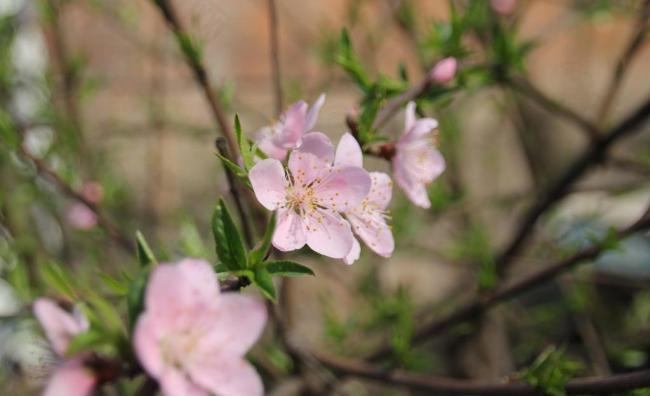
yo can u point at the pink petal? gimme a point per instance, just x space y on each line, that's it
289 233
71 379
410 116
348 152
312 115
306 167
318 144
328 233
381 189
373 230
354 253
343 188
422 127
268 180
266 144
413 189
227 376
174 382
146 343
174 290
292 126
444 71
238 323
60 326
503 7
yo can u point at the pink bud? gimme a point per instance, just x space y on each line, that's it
444 71
81 217
93 191
503 7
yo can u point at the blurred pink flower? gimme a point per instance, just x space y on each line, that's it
286 134
310 196
503 7
444 71
417 162
80 216
93 191
71 377
192 339
368 219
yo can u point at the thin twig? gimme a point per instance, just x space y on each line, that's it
200 74
624 62
472 309
396 103
449 386
594 154
524 87
112 230
275 57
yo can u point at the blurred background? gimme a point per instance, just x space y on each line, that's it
101 94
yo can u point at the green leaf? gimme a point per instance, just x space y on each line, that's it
236 170
551 371
287 268
87 341
258 254
351 63
248 155
115 286
264 281
228 241
135 297
145 255
56 277
220 268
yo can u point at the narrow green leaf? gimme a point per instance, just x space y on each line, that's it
228 241
236 170
145 255
86 342
248 155
264 281
258 254
220 268
115 286
135 297
56 277
287 268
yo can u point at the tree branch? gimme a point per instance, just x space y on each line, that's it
450 386
275 58
200 75
624 62
593 155
479 304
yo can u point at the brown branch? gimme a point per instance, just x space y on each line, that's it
624 62
450 386
275 57
526 88
472 309
594 154
200 74
111 229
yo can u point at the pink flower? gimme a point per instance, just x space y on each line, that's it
286 134
503 7
192 339
368 219
309 197
417 162
444 71
71 377
81 217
